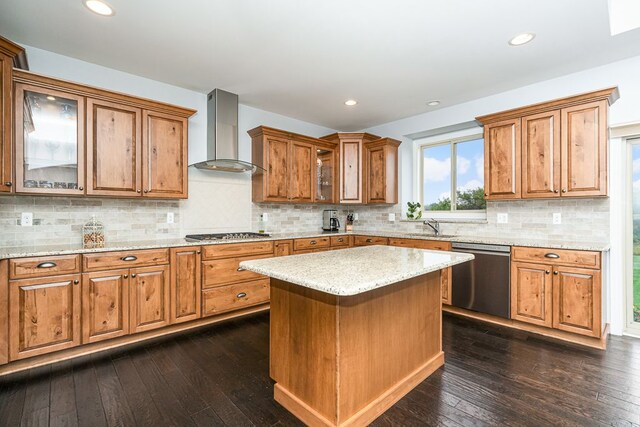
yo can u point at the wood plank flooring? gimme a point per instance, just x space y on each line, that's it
218 376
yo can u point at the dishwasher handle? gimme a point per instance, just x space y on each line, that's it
473 251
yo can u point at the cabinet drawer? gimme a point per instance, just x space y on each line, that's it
339 241
234 297
23 268
112 260
226 271
585 259
236 249
436 245
370 240
311 243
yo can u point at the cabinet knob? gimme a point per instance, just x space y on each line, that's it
126 276
146 191
547 272
138 190
564 190
8 183
198 252
80 188
555 191
75 282
555 273
486 195
133 275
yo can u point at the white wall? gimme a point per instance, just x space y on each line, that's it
217 201
623 74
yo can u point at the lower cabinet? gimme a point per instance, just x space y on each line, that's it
283 248
105 305
149 298
566 298
44 315
186 284
222 299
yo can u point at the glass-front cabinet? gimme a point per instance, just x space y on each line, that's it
49 141
326 162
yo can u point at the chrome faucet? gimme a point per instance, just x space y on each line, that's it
434 224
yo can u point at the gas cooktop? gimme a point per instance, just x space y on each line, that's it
224 236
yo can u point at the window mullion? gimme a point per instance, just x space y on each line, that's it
454 173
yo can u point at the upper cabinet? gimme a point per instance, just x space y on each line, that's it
381 171
73 139
11 55
553 149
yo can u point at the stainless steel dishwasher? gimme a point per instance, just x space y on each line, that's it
483 284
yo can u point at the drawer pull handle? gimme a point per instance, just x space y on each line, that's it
241 295
552 255
340 240
241 269
129 258
47 265
369 240
313 242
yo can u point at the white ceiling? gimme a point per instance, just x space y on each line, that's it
304 58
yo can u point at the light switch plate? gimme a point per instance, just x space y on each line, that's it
26 219
170 218
265 216
557 218
503 218
392 217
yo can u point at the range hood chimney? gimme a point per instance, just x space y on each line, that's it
222 134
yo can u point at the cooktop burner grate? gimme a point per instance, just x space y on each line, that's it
225 236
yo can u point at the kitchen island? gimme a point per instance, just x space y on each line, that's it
353 331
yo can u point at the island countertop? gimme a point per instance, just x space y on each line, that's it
356 270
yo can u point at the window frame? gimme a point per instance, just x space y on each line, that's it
440 140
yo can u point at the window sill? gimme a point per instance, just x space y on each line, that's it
449 217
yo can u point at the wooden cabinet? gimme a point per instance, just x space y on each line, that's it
370 240
276 165
311 243
531 293
149 298
105 305
234 297
502 160
164 148
186 284
584 149
283 248
301 188
44 315
114 149
541 155
381 171
326 165
577 301
134 147
547 150
560 289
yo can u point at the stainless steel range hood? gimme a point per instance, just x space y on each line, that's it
222 134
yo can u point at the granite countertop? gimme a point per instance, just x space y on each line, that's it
62 249
355 270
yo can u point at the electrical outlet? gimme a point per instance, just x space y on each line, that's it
557 218
503 218
170 218
265 216
355 216
392 217
26 219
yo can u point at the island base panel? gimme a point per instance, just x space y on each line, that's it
344 360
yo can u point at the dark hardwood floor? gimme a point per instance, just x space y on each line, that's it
219 376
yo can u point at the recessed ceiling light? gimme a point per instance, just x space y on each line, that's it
51 98
433 103
350 102
99 7
521 39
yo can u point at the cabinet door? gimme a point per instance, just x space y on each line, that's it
531 293
164 148
114 156
502 160
584 150
577 301
351 171
149 298
276 162
376 180
325 175
445 279
44 315
302 171
283 248
541 155
105 305
186 284
6 180
49 141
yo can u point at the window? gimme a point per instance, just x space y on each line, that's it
452 175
